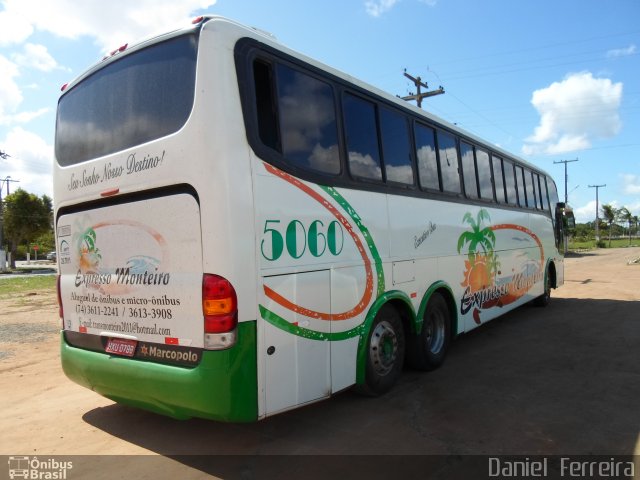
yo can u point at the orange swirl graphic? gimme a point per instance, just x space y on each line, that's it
368 292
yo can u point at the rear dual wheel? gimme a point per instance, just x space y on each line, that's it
385 352
427 350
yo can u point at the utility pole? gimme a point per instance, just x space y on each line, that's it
6 180
3 255
566 197
419 95
597 187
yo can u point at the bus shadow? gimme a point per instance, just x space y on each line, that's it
556 381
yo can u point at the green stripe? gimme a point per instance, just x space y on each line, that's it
282 324
346 206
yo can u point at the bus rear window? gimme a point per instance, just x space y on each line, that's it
138 98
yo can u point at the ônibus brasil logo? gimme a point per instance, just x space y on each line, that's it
35 468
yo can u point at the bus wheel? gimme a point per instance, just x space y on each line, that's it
385 353
544 299
428 349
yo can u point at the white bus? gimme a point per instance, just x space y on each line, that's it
242 230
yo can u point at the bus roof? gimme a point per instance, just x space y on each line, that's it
269 39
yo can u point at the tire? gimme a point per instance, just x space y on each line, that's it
544 299
428 349
385 353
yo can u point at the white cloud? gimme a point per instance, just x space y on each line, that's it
10 94
30 162
586 213
375 8
112 24
622 52
631 184
35 56
15 27
574 112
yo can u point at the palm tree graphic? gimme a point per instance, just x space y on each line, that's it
483 264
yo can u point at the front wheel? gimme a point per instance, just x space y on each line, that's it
427 350
385 353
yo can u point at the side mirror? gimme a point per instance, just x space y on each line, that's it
569 219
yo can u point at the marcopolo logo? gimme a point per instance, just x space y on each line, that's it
170 354
41 469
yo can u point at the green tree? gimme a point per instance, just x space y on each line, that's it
26 217
625 216
609 214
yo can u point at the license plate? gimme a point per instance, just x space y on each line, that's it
121 346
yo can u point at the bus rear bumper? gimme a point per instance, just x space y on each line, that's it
222 387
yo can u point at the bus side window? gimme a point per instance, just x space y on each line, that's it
468 170
536 190
265 105
544 193
448 158
510 183
484 174
528 185
498 179
362 138
396 148
308 126
522 198
426 154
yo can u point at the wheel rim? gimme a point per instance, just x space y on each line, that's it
383 349
435 332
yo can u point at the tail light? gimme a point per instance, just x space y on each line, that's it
60 309
220 309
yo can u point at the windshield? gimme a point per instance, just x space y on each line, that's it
138 98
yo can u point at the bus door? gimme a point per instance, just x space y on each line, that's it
295 356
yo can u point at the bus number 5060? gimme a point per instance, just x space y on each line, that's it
297 239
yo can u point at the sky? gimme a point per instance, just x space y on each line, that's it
548 80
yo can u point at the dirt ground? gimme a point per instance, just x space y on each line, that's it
560 380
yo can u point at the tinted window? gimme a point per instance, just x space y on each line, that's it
544 193
448 162
553 196
468 170
135 99
522 197
396 149
362 138
265 105
536 190
484 174
496 163
427 161
529 189
510 182
307 121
